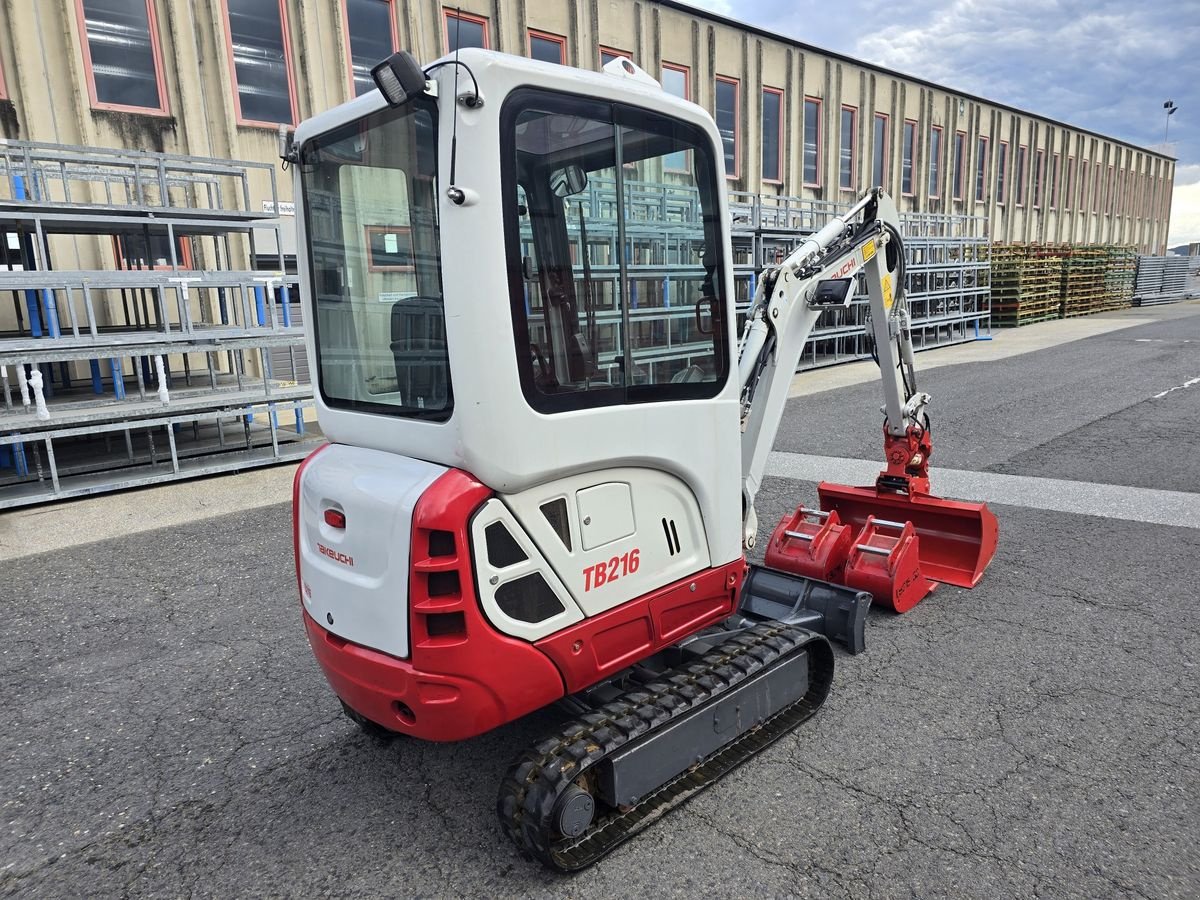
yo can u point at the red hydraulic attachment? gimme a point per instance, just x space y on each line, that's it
956 540
884 561
804 547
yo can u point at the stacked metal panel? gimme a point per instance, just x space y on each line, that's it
157 352
1160 279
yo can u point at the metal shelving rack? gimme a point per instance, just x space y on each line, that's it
180 359
947 264
948 270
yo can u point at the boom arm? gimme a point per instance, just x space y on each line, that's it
790 298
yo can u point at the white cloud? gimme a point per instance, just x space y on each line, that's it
1185 214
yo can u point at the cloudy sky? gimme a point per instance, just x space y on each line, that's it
1101 64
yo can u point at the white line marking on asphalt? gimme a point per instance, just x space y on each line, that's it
1178 387
1110 501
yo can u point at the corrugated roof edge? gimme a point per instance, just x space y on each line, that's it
784 39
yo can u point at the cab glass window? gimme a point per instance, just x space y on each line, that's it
370 206
614 256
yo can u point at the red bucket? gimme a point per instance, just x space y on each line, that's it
956 540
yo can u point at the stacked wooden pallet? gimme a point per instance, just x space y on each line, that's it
1026 284
1122 261
1084 288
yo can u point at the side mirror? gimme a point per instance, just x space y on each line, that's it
568 180
706 315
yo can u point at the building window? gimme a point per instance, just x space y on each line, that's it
847 148
727 117
1108 193
676 81
1039 165
122 56
908 152
812 142
3 88
1022 155
1069 186
608 54
1096 188
935 162
550 48
1001 172
960 143
371 37
261 62
879 149
981 165
1083 184
772 135
464 30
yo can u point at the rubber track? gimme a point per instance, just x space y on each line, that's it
533 783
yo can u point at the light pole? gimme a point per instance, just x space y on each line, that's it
1170 107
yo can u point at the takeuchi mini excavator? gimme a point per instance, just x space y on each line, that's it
546 439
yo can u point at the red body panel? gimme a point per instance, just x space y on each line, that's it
464 677
595 648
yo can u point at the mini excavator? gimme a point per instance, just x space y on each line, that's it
545 439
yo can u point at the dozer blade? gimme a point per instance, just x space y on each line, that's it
956 539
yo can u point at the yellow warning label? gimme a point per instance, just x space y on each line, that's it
868 250
887 291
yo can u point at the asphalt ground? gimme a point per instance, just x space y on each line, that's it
169 734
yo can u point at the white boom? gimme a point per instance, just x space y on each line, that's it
788 301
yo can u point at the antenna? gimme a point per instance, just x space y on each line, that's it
455 193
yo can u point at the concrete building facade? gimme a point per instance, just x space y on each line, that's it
216 77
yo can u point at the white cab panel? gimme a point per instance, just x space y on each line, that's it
519 595
493 433
667 541
357 576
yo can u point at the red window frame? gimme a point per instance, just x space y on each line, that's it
286 35
982 144
912 163
1001 171
941 142
346 36
3 87
779 93
546 36
886 171
820 141
155 50
960 160
387 229
1108 192
737 121
1069 184
853 110
448 14
1084 172
613 51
